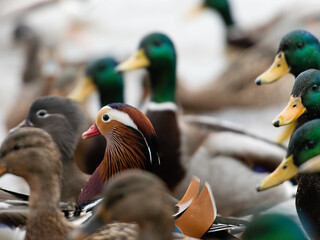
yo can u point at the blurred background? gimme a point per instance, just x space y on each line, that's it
67 34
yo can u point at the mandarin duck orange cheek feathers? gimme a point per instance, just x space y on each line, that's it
131 143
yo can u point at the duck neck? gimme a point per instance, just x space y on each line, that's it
299 64
126 148
111 92
306 117
163 83
44 194
45 220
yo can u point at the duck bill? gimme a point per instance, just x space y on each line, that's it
91 132
84 90
285 171
291 113
136 61
278 69
310 166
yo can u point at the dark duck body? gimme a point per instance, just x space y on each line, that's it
303 148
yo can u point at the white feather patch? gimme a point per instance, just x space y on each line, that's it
162 106
120 117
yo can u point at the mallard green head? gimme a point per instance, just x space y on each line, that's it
273 226
303 147
156 53
101 76
298 51
223 8
305 99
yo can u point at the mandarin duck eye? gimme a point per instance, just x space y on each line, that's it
42 113
285 47
105 117
102 67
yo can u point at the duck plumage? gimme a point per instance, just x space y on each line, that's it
65 121
303 146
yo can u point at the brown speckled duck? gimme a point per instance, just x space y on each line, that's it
134 196
42 173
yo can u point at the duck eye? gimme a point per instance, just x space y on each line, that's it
315 87
157 43
300 45
285 47
105 117
42 113
102 67
310 144
16 147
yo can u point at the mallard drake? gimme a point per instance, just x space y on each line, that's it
64 120
303 147
235 36
97 72
191 150
298 51
303 103
234 87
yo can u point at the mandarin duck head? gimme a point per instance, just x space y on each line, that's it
131 142
131 138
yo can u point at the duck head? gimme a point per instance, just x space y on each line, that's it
156 53
221 6
30 153
298 51
134 196
62 118
304 146
101 76
304 99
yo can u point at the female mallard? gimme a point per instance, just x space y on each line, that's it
303 147
180 157
42 172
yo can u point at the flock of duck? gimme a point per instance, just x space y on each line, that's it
152 172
